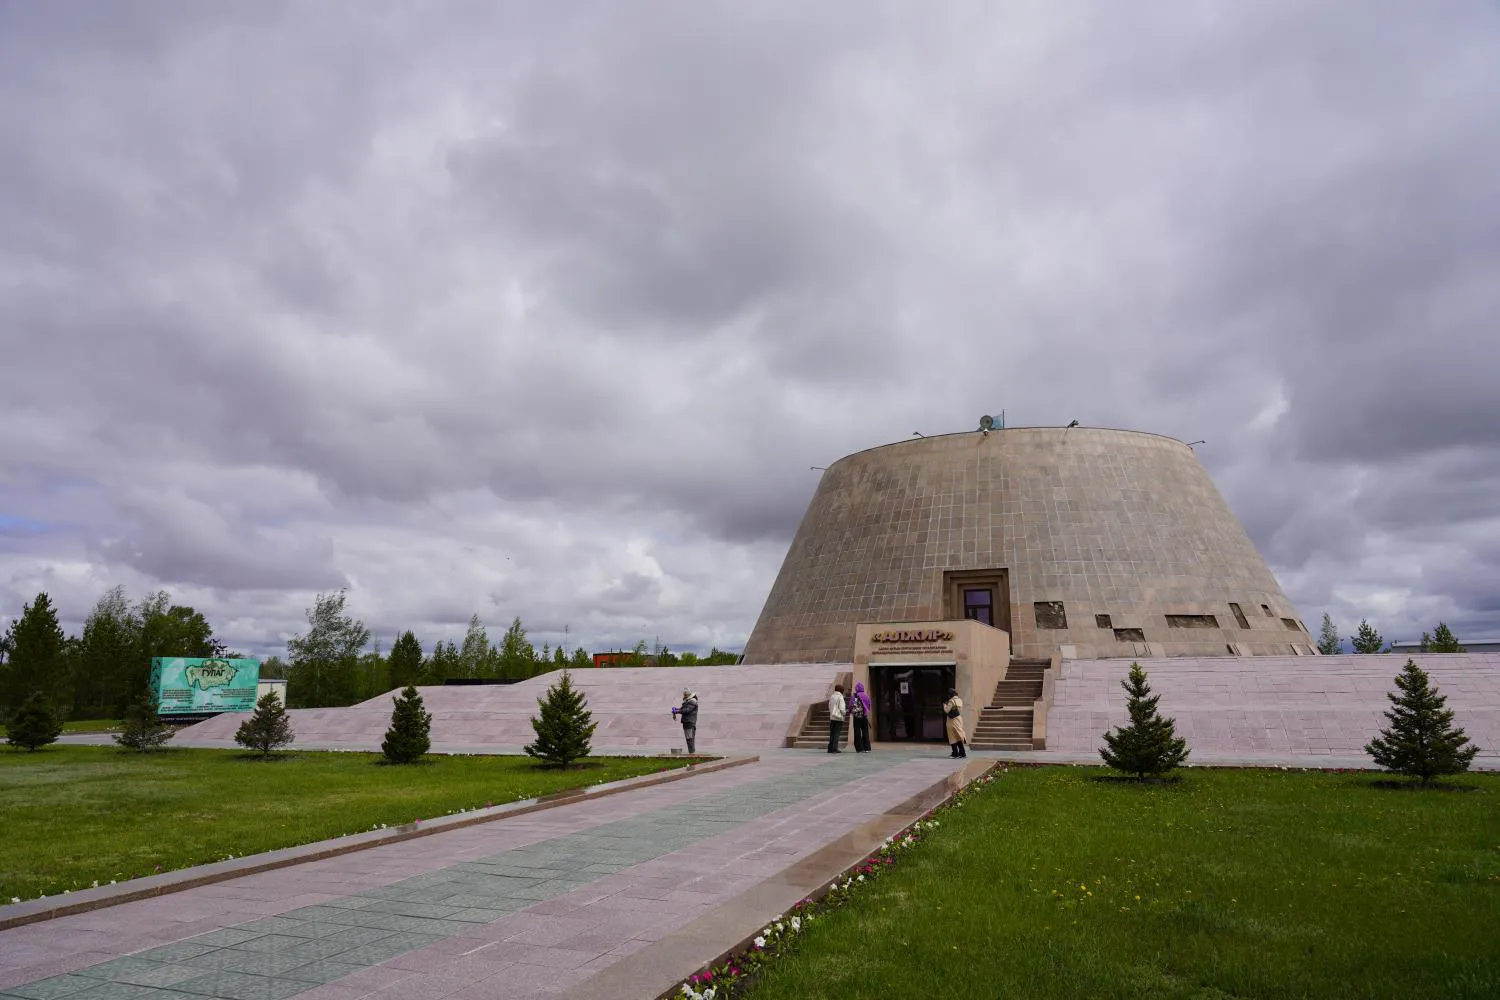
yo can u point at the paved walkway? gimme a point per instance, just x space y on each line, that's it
583 898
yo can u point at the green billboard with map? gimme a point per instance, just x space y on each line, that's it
191 685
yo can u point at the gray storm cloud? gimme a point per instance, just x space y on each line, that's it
518 309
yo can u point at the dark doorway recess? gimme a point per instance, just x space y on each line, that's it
909 702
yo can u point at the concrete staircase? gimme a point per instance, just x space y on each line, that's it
814 732
1006 722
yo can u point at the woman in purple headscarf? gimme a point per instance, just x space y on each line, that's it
859 711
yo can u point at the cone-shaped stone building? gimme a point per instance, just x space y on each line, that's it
1097 542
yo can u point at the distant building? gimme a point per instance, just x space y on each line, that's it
269 685
622 658
1477 646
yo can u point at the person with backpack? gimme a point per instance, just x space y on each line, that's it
859 711
688 714
836 710
953 710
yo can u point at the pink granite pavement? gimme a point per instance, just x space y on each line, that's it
1287 709
584 886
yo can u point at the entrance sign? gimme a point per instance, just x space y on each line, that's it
907 641
191 685
905 687
918 635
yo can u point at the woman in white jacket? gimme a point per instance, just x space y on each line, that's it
836 712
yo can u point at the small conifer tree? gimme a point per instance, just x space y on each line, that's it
1421 740
1329 643
1442 640
1150 744
1366 639
565 726
143 730
268 727
410 734
34 724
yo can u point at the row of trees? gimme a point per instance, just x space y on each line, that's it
103 672
1366 640
100 672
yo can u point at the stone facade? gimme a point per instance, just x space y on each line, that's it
977 653
1112 543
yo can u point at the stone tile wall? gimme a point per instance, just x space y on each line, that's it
1274 706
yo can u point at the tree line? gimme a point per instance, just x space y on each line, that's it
98 673
1366 640
106 668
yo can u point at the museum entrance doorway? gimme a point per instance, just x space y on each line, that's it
909 701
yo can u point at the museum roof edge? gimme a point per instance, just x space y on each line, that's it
1006 430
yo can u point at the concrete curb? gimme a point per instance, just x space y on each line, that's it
36 910
659 970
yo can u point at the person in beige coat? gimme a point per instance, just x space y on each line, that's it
953 712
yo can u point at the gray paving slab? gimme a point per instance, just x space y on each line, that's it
517 908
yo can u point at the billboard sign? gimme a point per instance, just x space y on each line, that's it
197 685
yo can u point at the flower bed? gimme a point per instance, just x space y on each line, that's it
729 978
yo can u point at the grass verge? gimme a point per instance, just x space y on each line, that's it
79 814
1231 883
81 726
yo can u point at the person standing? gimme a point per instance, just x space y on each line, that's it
836 710
688 713
953 709
859 711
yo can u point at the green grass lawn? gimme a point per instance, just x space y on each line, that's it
82 726
1233 883
74 814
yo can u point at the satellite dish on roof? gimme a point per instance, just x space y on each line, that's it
986 423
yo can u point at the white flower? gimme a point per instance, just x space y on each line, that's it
796 924
861 878
95 885
708 994
779 928
15 899
760 942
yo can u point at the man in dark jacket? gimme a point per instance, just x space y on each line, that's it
688 712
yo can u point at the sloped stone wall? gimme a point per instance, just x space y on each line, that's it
1328 706
742 708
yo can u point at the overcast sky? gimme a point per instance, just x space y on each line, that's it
545 309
